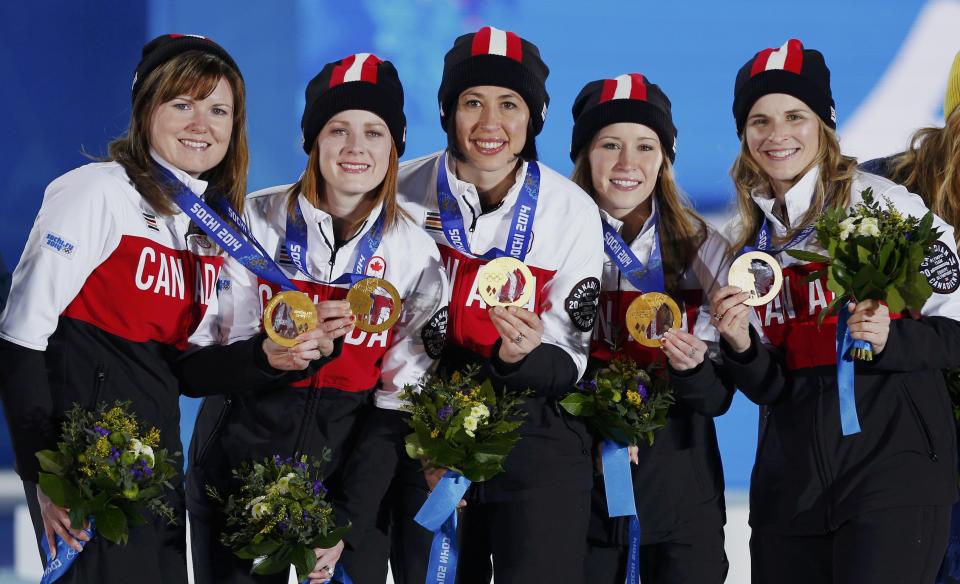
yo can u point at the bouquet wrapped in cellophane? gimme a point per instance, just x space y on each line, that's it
280 514
623 402
107 469
874 252
462 425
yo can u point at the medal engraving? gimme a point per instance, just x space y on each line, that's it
288 315
506 281
650 315
758 274
376 304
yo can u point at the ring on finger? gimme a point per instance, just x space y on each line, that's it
692 352
518 339
718 316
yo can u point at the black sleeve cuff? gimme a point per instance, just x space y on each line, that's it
548 371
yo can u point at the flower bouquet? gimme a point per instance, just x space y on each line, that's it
279 515
462 425
873 253
106 469
623 403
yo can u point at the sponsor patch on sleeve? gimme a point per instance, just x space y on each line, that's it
57 244
941 269
582 303
434 333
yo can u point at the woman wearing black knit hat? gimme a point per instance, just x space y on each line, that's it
113 282
337 225
624 145
830 502
486 196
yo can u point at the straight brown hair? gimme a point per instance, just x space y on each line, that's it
193 73
681 229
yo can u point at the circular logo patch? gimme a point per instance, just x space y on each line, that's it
941 269
582 303
434 334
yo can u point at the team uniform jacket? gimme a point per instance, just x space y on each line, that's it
318 411
104 300
566 258
809 478
678 483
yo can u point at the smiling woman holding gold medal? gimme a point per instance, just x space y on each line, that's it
361 272
656 280
856 462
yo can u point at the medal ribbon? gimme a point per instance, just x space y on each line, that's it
525 209
297 248
242 247
645 278
849 421
618 485
66 555
764 239
439 515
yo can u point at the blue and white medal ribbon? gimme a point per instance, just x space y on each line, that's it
849 421
439 515
645 278
66 555
520 235
618 484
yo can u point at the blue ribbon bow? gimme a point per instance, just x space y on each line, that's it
618 485
66 555
439 515
849 421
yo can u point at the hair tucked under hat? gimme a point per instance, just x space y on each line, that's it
792 70
496 57
626 98
362 81
167 46
952 97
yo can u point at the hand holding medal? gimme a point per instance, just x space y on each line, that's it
300 332
506 285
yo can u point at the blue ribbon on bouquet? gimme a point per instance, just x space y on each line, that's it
339 575
439 515
849 421
66 555
618 485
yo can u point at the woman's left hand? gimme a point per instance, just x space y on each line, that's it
683 350
326 563
870 321
521 331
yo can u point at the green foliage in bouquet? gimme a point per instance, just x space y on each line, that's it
108 466
873 253
280 514
463 425
624 402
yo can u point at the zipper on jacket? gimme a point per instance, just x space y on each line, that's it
922 423
473 224
308 412
216 430
99 377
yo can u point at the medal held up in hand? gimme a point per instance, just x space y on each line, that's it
650 315
376 304
758 274
506 281
288 315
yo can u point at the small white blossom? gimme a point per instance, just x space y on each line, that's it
146 453
135 446
477 414
869 227
282 486
847 227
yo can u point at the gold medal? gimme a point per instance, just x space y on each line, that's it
650 315
288 315
506 281
758 274
375 303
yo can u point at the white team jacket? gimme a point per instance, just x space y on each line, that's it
406 257
566 254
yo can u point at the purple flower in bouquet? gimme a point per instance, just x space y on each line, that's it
319 488
444 413
101 431
642 390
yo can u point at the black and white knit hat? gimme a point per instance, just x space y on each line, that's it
362 81
791 69
496 57
626 98
167 46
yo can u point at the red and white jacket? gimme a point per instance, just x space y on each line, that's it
406 257
566 254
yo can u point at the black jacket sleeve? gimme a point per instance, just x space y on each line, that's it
237 367
548 371
758 372
930 342
28 405
707 389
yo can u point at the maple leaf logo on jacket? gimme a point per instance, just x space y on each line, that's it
376 267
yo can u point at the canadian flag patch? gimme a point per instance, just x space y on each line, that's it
376 267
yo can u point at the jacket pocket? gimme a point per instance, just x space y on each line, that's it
99 378
921 423
215 432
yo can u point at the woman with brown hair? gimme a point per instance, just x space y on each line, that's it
337 225
624 145
830 500
113 281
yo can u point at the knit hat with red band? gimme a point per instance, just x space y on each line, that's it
626 98
362 81
791 69
165 47
492 56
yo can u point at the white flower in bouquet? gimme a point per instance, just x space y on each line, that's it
477 414
282 486
146 454
847 227
869 227
258 507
